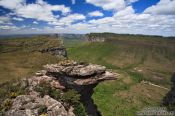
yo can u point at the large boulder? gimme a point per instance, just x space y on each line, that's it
28 105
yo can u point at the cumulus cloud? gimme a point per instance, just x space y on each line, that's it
155 20
108 4
11 4
96 14
165 7
128 10
39 10
35 22
4 19
18 19
68 19
127 21
8 27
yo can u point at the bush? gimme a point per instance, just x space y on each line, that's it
6 105
71 97
42 110
79 109
44 88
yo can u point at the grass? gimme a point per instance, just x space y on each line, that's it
21 58
135 58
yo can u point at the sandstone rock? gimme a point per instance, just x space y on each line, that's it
79 73
36 80
26 105
81 77
106 76
58 51
75 70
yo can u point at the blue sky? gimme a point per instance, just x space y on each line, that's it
152 17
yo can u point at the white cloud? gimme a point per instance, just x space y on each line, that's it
8 27
39 10
108 4
9 4
166 7
127 21
18 19
131 1
4 19
96 14
35 22
124 20
68 19
128 10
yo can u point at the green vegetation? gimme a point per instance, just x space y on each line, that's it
21 58
154 58
42 110
9 91
68 98
135 58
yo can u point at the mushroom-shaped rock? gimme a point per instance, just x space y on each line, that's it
75 70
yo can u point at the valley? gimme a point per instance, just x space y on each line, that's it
145 65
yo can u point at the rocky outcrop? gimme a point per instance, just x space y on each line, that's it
57 51
95 39
79 73
29 105
81 77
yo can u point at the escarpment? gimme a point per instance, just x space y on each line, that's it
81 77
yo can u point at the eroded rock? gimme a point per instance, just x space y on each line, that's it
27 105
81 77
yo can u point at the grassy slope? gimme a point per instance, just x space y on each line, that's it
135 60
20 57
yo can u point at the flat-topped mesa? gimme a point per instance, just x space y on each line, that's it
79 73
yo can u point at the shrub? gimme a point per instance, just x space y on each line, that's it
44 88
79 109
6 105
13 94
71 97
42 110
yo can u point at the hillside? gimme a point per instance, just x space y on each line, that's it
21 57
144 66
136 58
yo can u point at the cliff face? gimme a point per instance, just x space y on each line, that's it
81 77
94 38
57 51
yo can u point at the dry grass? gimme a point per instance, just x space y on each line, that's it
20 57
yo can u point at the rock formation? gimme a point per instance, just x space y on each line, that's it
28 105
81 77
57 51
95 39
